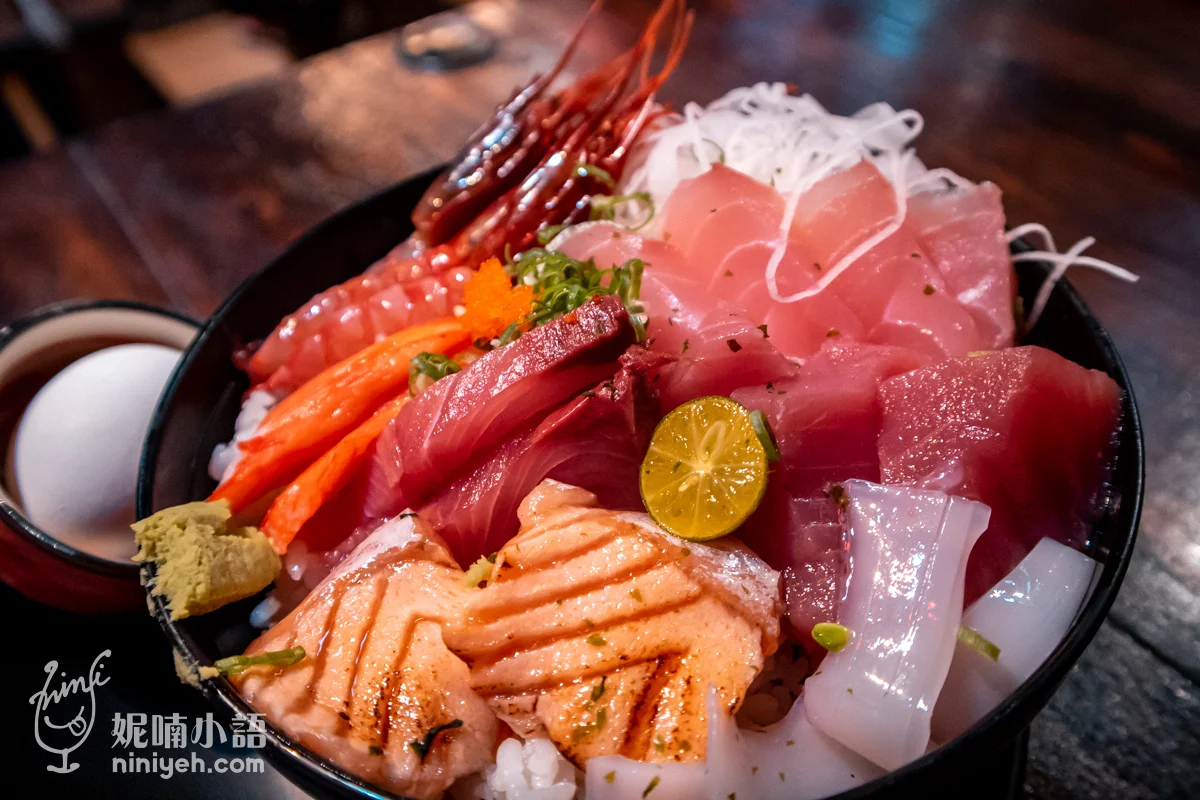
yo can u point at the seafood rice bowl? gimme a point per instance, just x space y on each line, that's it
677 453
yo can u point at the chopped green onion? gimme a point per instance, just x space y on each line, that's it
583 731
598 690
562 284
758 420
603 206
650 786
276 658
585 170
831 636
596 640
547 234
422 748
479 572
431 367
978 642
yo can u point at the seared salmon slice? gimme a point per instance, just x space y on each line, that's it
378 679
602 631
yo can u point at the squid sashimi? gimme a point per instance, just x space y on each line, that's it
1026 615
790 760
595 441
473 410
1023 430
962 230
827 419
602 631
908 551
377 676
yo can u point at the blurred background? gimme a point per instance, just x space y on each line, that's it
68 66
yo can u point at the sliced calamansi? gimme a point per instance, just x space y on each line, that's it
706 469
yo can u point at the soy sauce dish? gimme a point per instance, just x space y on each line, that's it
78 385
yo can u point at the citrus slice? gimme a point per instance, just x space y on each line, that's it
706 469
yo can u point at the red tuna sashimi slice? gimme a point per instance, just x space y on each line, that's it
471 411
595 441
802 538
827 420
728 352
963 232
1022 430
695 199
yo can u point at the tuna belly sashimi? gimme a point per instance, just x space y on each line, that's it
472 411
595 441
1023 430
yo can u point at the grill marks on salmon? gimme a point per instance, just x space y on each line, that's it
378 676
605 632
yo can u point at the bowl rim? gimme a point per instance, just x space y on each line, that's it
10 515
296 760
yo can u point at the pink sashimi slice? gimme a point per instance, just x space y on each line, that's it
504 391
841 212
801 328
675 309
1023 430
735 223
728 352
595 441
928 320
694 199
827 420
746 265
963 232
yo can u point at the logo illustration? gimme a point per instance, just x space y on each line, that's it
55 728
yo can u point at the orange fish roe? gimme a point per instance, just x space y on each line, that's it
492 302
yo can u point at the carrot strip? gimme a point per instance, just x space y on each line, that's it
327 475
314 417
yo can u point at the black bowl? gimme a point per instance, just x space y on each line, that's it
202 399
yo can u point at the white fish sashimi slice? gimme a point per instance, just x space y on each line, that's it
1026 615
908 552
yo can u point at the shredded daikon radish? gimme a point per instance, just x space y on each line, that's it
1062 262
791 143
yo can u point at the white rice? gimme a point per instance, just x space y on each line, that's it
225 456
533 770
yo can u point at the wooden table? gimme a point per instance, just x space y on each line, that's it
1088 115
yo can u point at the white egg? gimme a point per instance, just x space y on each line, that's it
76 452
